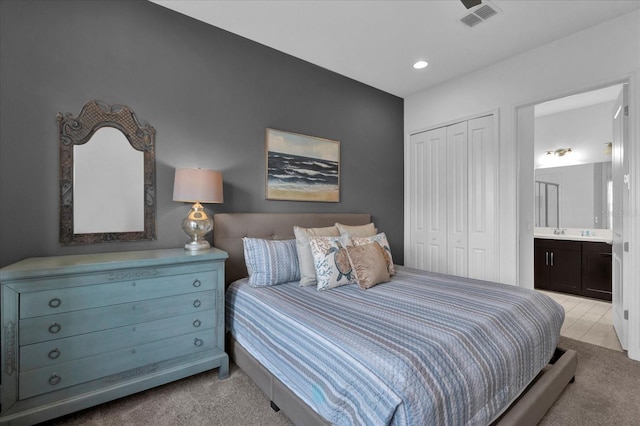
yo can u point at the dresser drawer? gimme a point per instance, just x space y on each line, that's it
50 327
59 351
49 379
47 302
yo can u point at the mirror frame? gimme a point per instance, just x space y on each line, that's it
79 130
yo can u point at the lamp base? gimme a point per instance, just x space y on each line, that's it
197 245
196 225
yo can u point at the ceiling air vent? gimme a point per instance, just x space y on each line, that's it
480 14
471 20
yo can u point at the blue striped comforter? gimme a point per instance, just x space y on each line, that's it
423 349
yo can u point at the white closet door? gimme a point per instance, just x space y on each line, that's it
452 199
427 201
457 199
482 196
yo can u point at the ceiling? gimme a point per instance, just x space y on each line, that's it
579 100
377 42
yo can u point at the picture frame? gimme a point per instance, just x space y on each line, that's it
301 167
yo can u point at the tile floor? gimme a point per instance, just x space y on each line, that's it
587 320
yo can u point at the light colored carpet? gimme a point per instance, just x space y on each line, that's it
198 400
606 392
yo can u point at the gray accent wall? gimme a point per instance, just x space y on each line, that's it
210 96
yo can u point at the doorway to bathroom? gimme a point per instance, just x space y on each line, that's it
575 146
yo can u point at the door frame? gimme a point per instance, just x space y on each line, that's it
522 114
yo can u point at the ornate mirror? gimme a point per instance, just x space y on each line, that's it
107 176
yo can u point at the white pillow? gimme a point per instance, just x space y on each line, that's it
305 258
368 230
333 268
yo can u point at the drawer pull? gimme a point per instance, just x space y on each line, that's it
198 342
196 323
54 379
55 302
54 328
54 353
196 303
197 283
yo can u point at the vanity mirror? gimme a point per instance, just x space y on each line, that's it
577 196
107 176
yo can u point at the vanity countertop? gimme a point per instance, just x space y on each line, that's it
576 234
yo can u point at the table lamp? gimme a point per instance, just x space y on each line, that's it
197 186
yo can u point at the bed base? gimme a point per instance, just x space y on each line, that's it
528 409
280 397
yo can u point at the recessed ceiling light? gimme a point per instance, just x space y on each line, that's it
420 65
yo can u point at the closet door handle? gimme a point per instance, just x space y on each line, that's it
551 258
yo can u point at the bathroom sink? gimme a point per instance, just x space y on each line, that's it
576 234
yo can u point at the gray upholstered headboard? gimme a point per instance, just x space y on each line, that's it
229 228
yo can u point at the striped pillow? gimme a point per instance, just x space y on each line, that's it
270 262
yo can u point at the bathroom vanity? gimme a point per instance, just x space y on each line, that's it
573 262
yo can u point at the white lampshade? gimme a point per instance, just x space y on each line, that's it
197 185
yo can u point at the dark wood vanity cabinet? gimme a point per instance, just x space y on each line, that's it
576 267
557 265
596 270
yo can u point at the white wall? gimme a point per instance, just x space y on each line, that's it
599 56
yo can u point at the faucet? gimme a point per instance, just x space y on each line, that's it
558 231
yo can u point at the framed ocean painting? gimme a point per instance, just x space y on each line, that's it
302 168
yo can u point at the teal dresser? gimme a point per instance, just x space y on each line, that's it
82 330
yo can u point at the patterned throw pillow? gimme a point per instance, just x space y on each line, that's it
270 262
381 239
307 266
369 264
331 259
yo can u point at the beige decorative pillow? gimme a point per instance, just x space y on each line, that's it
381 239
305 257
369 264
368 230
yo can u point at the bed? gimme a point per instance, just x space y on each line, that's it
348 356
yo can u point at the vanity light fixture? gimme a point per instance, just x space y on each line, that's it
420 65
197 186
560 152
